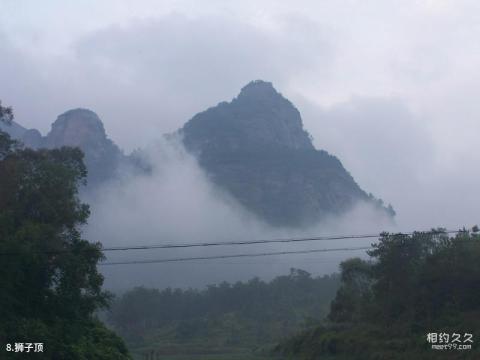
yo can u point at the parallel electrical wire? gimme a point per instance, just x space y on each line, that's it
229 256
246 242
136 262
270 241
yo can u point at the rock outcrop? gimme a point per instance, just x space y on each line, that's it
82 128
76 128
256 149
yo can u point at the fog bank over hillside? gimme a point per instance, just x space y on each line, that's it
390 88
430 178
176 203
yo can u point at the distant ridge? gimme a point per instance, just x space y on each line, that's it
255 148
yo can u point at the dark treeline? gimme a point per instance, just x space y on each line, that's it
252 313
411 287
50 288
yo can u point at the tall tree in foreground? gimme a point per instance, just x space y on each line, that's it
50 286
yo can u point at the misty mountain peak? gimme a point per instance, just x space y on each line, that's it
83 128
258 118
258 90
255 148
77 127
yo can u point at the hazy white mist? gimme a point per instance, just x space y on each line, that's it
177 203
389 87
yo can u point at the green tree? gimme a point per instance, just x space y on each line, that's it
355 293
412 285
6 143
50 286
6 113
398 261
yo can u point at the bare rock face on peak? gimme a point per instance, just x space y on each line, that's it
259 118
83 128
32 138
76 128
256 149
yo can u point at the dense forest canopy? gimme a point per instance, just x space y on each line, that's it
386 306
244 314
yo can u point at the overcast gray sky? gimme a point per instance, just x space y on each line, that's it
390 87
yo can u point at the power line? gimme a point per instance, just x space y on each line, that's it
156 261
245 242
251 242
229 256
270 241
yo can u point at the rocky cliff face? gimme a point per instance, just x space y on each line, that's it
32 138
259 118
82 128
77 128
256 149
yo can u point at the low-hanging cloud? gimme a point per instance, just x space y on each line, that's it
148 77
393 153
390 88
176 204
